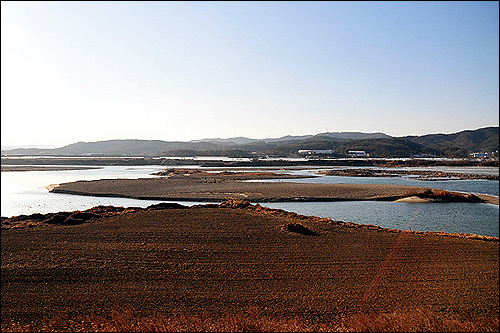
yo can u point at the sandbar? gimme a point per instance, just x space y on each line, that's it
196 185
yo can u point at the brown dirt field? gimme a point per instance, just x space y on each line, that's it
214 259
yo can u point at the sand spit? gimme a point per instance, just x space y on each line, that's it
416 199
236 256
51 187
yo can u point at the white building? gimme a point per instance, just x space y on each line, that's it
480 155
315 152
357 153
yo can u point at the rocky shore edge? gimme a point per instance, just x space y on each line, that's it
99 212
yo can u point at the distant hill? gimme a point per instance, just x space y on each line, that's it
377 146
116 148
326 135
459 144
27 146
480 140
227 142
350 136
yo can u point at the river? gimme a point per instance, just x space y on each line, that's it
25 193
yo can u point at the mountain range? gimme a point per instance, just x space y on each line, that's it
459 144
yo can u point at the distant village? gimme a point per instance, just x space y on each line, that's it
318 153
328 152
484 155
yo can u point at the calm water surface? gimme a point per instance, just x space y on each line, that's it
25 193
471 218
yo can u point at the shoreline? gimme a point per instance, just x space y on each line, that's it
99 212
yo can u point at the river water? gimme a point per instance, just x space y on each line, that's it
25 193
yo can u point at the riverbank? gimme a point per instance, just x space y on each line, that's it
236 256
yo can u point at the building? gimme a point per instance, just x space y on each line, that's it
357 153
315 152
422 156
480 155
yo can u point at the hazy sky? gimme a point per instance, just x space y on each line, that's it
179 71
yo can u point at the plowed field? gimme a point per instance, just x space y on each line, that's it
214 259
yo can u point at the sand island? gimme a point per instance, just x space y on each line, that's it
199 185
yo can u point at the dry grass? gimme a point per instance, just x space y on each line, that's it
417 320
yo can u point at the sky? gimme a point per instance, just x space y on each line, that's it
180 71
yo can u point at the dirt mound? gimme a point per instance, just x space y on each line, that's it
166 205
448 196
298 228
235 203
78 217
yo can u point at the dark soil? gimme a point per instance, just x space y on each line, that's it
237 256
